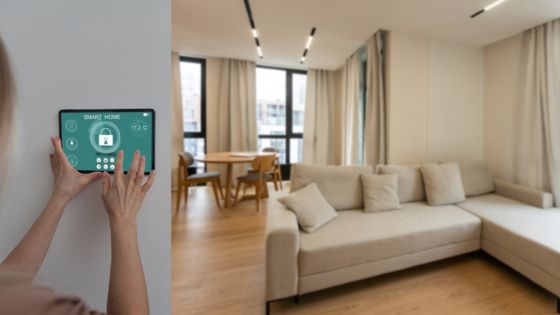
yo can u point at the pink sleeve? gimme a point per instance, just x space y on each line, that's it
17 296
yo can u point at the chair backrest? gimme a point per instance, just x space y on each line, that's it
185 159
269 150
264 163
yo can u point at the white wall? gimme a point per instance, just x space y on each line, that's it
436 99
87 54
503 62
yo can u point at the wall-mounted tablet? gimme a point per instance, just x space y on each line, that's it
91 139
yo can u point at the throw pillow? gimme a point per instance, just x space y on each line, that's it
311 208
380 192
476 178
443 184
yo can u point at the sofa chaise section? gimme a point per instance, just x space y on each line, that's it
524 236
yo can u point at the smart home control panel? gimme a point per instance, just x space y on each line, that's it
91 139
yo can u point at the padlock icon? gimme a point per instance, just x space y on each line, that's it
105 137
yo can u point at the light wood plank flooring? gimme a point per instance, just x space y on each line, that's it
218 268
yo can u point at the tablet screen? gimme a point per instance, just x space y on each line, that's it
91 139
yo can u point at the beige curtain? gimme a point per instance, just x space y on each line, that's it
537 147
318 127
375 134
237 118
350 111
177 142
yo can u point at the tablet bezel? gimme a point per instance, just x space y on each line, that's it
151 110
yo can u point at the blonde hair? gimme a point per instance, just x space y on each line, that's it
6 100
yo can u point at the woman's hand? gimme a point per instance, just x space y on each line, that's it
67 181
123 197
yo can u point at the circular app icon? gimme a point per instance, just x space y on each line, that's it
73 160
98 160
112 166
105 137
112 160
72 143
105 160
105 166
71 125
98 166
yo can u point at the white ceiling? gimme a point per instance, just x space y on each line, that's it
220 28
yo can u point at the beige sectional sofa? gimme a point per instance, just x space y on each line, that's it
515 224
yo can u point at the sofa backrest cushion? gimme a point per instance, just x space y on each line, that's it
410 184
476 178
443 184
340 185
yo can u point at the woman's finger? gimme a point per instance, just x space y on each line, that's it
119 176
148 184
141 168
57 145
131 175
88 178
106 183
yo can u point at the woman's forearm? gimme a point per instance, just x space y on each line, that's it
127 286
27 257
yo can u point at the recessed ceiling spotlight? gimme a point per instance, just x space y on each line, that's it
308 44
488 8
253 27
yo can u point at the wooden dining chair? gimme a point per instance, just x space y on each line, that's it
258 177
184 180
275 172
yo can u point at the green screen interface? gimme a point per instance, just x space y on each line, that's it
92 140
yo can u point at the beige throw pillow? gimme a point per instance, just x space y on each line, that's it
311 208
476 177
410 184
443 184
380 192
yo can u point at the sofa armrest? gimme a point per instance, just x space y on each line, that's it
282 247
531 196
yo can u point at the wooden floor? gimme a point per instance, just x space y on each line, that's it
218 268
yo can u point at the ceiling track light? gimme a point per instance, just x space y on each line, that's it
308 44
487 8
253 27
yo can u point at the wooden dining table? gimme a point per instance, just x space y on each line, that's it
229 159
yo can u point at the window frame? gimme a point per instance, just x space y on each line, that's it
289 117
202 133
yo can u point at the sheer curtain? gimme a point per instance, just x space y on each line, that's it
375 143
350 111
537 152
237 109
177 138
318 127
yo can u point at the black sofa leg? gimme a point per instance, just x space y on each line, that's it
558 305
267 308
296 299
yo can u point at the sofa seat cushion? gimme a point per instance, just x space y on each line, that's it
531 233
356 237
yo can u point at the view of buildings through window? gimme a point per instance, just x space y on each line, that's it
192 82
280 111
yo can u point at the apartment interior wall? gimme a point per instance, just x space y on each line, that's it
435 98
84 55
503 62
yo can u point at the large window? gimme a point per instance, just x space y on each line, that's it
193 91
280 112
